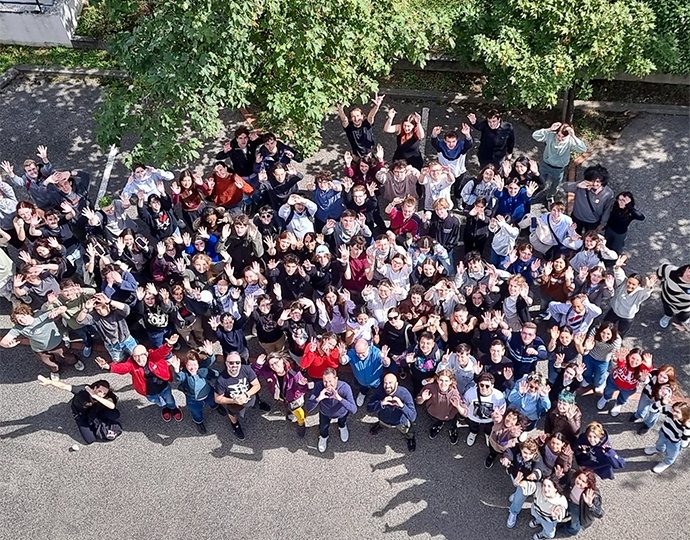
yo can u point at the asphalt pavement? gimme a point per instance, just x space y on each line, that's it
165 480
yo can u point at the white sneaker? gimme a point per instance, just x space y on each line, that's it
292 417
651 450
54 376
79 366
360 399
661 467
471 437
664 321
584 384
486 436
512 519
600 389
615 410
344 434
323 442
602 403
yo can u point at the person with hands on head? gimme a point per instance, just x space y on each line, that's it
151 375
93 409
334 400
560 143
286 384
358 129
236 390
45 339
395 408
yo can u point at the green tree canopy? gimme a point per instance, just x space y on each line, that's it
292 60
534 50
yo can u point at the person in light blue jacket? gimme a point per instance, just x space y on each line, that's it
530 396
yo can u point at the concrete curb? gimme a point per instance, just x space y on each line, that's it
606 106
71 71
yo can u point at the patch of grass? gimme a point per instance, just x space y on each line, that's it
641 92
437 81
55 56
97 23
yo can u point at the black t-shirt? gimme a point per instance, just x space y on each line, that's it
361 138
501 382
267 328
154 384
397 340
232 387
82 402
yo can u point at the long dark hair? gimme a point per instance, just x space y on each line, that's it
603 326
339 302
623 211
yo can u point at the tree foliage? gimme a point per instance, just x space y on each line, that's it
670 49
291 60
533 50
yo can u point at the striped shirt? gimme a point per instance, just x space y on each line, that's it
672 429
675 294
602 350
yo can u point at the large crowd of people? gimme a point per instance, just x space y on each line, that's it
426 282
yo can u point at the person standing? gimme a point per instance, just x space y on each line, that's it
151 375
44 336
525 349
560 142
409 135
335 401
498 138
236 390
675 295
368 364
93 408
359 129
482 405
395 408
593 199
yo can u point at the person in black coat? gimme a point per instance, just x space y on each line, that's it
594 451
498 138
584 500
242 151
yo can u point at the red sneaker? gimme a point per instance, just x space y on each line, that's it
177 415
166 414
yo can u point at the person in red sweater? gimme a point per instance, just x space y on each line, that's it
632 368
228 188
322 354
404 221
151 375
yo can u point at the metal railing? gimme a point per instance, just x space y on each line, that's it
39 4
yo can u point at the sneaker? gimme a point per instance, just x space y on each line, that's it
264 406
600 389
471 437
661 467
453 434
664 321
373 430
177 414
602 403
489 461
344 434
651 450
201 428
360 399
323 443
239 432
512 519
86 352
512 496
181 223
79 366
54 376
165 413
412 444
301 430
616 410
633 418
643 429
533 524
584 384
112 435
486 438
435 430
539 536
291 418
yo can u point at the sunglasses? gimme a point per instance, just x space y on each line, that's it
265 215
393 317
484 386
234 363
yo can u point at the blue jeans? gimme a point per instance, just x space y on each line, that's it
595 374
196 407
325 422
553 372
573 526
165 399
548 526
86 334
157 337
623 395
645 413
120 351
519 499
670 449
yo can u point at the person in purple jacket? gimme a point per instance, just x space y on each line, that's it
395 408
285 383
335 400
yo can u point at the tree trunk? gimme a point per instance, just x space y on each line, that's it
568 106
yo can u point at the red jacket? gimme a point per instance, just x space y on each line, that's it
316 364
157 364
